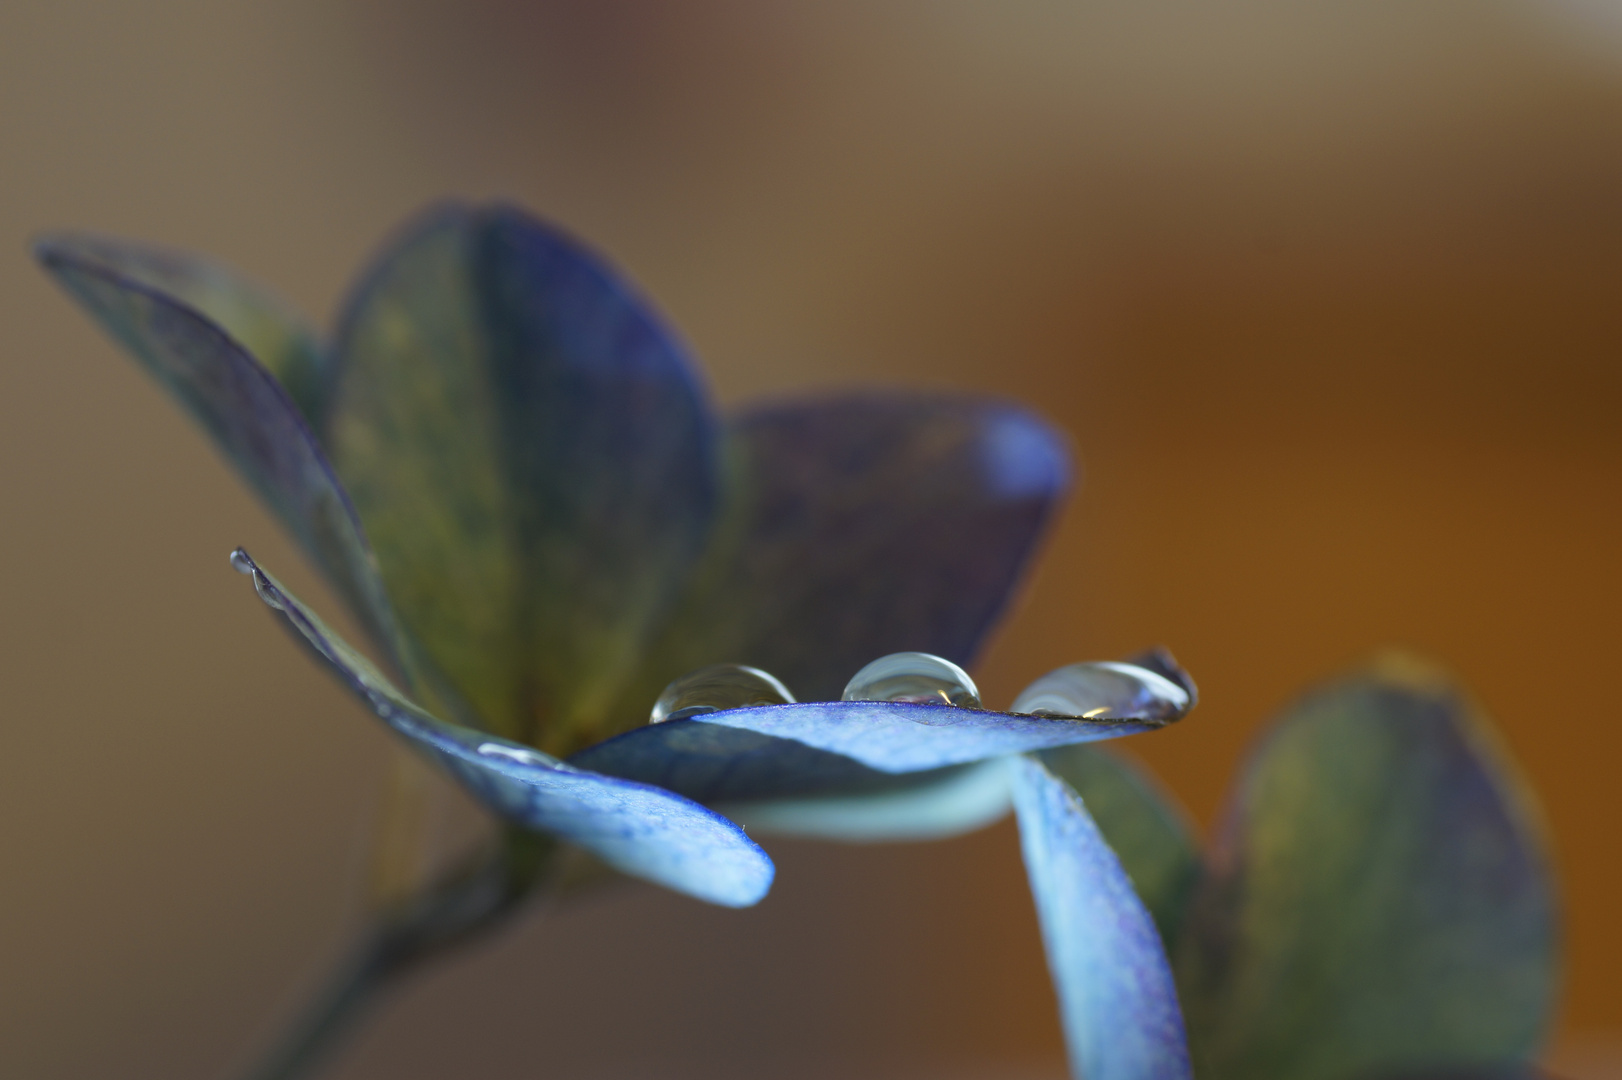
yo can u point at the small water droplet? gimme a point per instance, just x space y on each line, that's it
914 676
1104 690
240 561
719 686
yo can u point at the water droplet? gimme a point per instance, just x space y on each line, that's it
719 686
1103 690
914 676
267 592
240 561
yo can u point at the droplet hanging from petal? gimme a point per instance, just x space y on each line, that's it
719 686
914 676
1106 690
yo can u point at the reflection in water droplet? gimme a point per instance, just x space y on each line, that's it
719 686
1105 690
240 561
914 676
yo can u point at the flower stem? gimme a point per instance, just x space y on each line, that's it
472 899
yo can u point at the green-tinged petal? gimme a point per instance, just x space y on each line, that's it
253 318
928 807
859 526
249 414
636 828
1117 1000
1144 827
1378 899
532 459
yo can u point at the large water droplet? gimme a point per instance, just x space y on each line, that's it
914 676
719 686
240 561
1106 690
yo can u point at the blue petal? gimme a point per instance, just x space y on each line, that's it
830 746
1117 1000
533 460
859 526
636 828
249 414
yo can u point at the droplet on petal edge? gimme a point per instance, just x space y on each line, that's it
243 563
1104 690
717 687
916 677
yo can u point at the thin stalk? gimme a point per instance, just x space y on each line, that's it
471 900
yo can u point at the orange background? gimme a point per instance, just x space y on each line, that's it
1327 295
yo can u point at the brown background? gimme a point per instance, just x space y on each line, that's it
1325 292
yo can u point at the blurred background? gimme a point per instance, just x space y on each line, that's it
1326 293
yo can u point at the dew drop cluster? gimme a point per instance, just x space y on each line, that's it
1100 690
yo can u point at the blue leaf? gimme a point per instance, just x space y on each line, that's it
858 526
1117 1000
249 414
635 828
533 460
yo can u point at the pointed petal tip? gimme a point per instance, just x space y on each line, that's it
638 828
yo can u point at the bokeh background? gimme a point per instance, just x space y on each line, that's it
1326 293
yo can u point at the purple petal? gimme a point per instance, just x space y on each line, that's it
860 526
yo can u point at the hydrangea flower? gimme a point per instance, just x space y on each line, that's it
505 467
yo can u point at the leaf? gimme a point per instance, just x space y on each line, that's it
245 410
636 828
1146 830
1378 899
859 526
262 324
532 459
1117 1000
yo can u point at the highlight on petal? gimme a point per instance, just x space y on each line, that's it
921 806
1145 828
241 405
262 324
533 460
863 525
1117 999
1378 899
636 828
